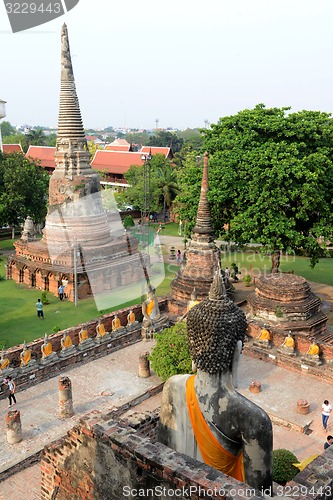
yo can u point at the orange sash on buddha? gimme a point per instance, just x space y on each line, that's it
101 330
212 452
150 307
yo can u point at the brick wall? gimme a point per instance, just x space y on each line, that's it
111 461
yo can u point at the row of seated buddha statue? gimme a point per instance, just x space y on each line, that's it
312 356
48 355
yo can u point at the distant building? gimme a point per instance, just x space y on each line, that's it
43 155
12 148
119 145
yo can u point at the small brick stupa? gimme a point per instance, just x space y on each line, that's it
201 257
77 246
287 302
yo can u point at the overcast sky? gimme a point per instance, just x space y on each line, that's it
181 62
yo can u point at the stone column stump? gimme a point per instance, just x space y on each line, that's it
303 406
13 427
65 398
144 365
255 387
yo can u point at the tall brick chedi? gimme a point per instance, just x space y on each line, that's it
78 245
201 256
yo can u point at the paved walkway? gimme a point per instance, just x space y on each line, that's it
112 381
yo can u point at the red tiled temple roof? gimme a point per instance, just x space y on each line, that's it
12 148
156 150
115 162
43 154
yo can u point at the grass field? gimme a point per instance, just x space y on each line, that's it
19 322
18 318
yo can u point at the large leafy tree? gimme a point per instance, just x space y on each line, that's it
161 184
7 129
23 190
164 138
271 179
36 137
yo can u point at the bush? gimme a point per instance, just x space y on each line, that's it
128 222
44 298
247 280
56 329
171 355
283 468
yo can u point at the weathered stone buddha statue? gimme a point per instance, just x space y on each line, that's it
48 355
101 334
152 320
312 355
203 415
264 338
85 342
288 345
5 368
67 347
116 326
131 321
192 302
26 361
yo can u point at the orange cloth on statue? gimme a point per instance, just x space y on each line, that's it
101 330
314 350
67 342
150 307
131 317
265 335
211 450
116 324
47 349
84 335
289 342
26 358
4 364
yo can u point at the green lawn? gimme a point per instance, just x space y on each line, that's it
257 263
168 229
19 320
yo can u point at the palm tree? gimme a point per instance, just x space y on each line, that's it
36 137
167 183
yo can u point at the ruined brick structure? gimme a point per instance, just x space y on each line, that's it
201 256
287 303
76 239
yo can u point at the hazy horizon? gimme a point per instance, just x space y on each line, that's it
183 63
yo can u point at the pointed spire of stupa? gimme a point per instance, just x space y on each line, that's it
203 222
70 124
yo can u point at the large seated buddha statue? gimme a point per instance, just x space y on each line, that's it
152 320
85 342
203 415
67 346
264 338
117 328
312 355
101 334
26 361
288 345
131 321
48 355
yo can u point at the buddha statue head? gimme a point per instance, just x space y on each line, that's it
214 327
